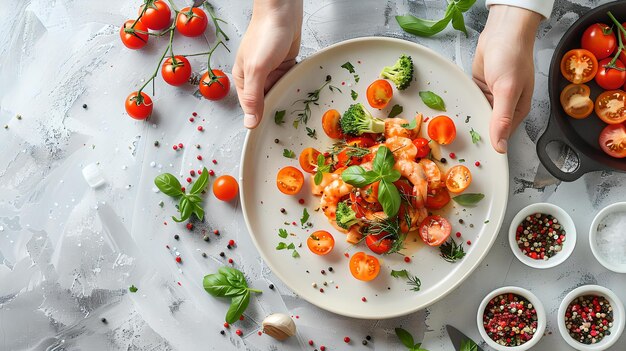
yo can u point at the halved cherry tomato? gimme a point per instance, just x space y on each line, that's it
442 130
215 88
406 191
138 107
191 22
379 93
458 179
343 159
330 124
289 180
579 66
308 160
435 230
600 40
379 243
613 140
176 70
320 242
370 192
157 15
611 78
364 267
610 106
225 188
438 199
423 149
361 141
576 102
138 38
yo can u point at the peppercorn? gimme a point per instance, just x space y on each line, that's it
222 254
540 236
103 320
206 238
589 319
364 342
178 259
239 332
282 210
84 105
176 237
330 269
368 337
346 339
276 141
231 242
461 221
156 143
228 246
204 255
443 160
271 286
222 332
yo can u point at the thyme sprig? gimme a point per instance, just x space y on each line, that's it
312 98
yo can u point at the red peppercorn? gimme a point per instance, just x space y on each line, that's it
321 290
469 242
190 226
226 325
322 348
346 339
178 259
346 254
199 171
452 155
363 299
458 234
241 317
477 164
188 179
180 145
407 259
175 147
199 157
239 332
182 188
211 172
200 128
192 173
191 119
311 342
231 242
214 161
230 260
301 201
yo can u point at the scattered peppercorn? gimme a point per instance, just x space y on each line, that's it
346 339
322 348
188 180
461 221
364 342
103 320
228 247
226 325
330 269
239 332
190 226
230 260
452 155
222 254
276 141
204 255
199 157
175 147
178 259
282 210
271 286
540 236
200 128
323 271
206 238
214 161
192 173
176 237
216 232
156 143
368 337
231 242
211 172
191 119
180 145
301 201
194 114
469 242
311 342
407 259
477 164
443 160
222 332
458 234
364 299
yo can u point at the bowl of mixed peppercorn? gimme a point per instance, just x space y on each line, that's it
542 235
591 318
511 318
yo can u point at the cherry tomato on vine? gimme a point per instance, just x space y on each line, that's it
600 40
423 149
613 140
442 130
191 22
225 188
135 39
435 230
330 123
458 179
157 15
289 180
176 70
579 66
576 102
609 78
138 106
320 242
379 93
308 160
216 87
364 267
611 106
379 243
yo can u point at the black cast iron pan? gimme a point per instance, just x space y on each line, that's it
581 135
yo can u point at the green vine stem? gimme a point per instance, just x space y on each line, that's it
620 31
156 71
216 21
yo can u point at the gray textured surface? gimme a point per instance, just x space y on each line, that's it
68 253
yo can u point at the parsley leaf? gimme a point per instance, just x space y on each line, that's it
475 136
279 117
348 66
400 274
289 153
354 95
305 217
282 233
132 289
311 133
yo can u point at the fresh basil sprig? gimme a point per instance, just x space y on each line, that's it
322 168
383 171
433 100
407 340
427 28
190 203
468 199
230 282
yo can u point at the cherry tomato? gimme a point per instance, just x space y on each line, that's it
370 192
438 199
611 78
576 102
361 141
157 15
435 230
458 179
379 243
191 22
379 93
308 160
343 159
320 242
579 66
364 267
176 70
330 123
225 188
134 40
613 140
600 40
405 189
138 107
423 149
442 130
215 88
610 106
289 180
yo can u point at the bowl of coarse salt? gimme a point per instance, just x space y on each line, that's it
607 237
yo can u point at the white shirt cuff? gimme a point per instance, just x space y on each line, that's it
542 7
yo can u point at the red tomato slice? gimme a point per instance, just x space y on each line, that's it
613 140
364 267
579 66
437 199
320 242
308 160
330 124
458 179
379 243
611 78
435 230
610 106
600 40
576 102
289 180
442 130
379 93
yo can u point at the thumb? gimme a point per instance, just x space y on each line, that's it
501 125
251 98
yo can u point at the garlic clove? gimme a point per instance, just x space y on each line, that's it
279 326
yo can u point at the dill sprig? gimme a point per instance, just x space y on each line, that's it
415 283
353 151
313 97
451 251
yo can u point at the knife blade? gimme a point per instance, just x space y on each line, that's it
457 337
197 3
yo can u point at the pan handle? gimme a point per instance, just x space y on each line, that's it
554 133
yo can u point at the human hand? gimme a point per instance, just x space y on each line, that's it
503 68
267 51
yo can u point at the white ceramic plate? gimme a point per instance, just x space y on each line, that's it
386 296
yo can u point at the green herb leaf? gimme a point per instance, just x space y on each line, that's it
458 22
354 95
468 199
322 168
383 161
279 117
319 176
348 66
295 254
198 211
230 282
311 133
132 289
200 183
305 217
451 252
194 198
389 198
238 305
282 233
461 160
400 274
468 345
405 337
357 176
422 27
395 111
411 125
168 184
475 136
281 246
464 5
218 285
291 246
185 207
433 100
289 153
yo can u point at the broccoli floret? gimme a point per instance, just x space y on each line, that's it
401 74
346 217
357 120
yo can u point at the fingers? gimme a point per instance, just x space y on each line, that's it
251 92
506 97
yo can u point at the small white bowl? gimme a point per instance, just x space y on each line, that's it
618 317
566 222
593 231
541 318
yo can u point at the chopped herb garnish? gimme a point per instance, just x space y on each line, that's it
451 251
354 95
400 274
311 133
395 110
468 199
312 98
486 221
322 168
305 217
348 65
132 289
411 125
467 119
356 78
415 283
189 203
291 246
475 136
279 117
281 246
289 153
295 254
282 233
461 160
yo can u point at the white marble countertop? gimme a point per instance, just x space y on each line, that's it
68 253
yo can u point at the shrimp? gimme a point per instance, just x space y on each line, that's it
402 148
327 179
414 172
354 234
331 196
433 173
393 127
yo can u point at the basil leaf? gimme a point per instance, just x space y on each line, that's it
405 337
383 161
357 176
185 207
295 254
218 285
198 211
400 274
464 5
234 277
305 217
238 305
200 183
392 176
422 27
468 345
282 233
195 199
458 22
168 184
395 110
411 125
475 136
279 117
319 176
433 100
389 198
289 153
348 66
281 246
468 199
291 246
